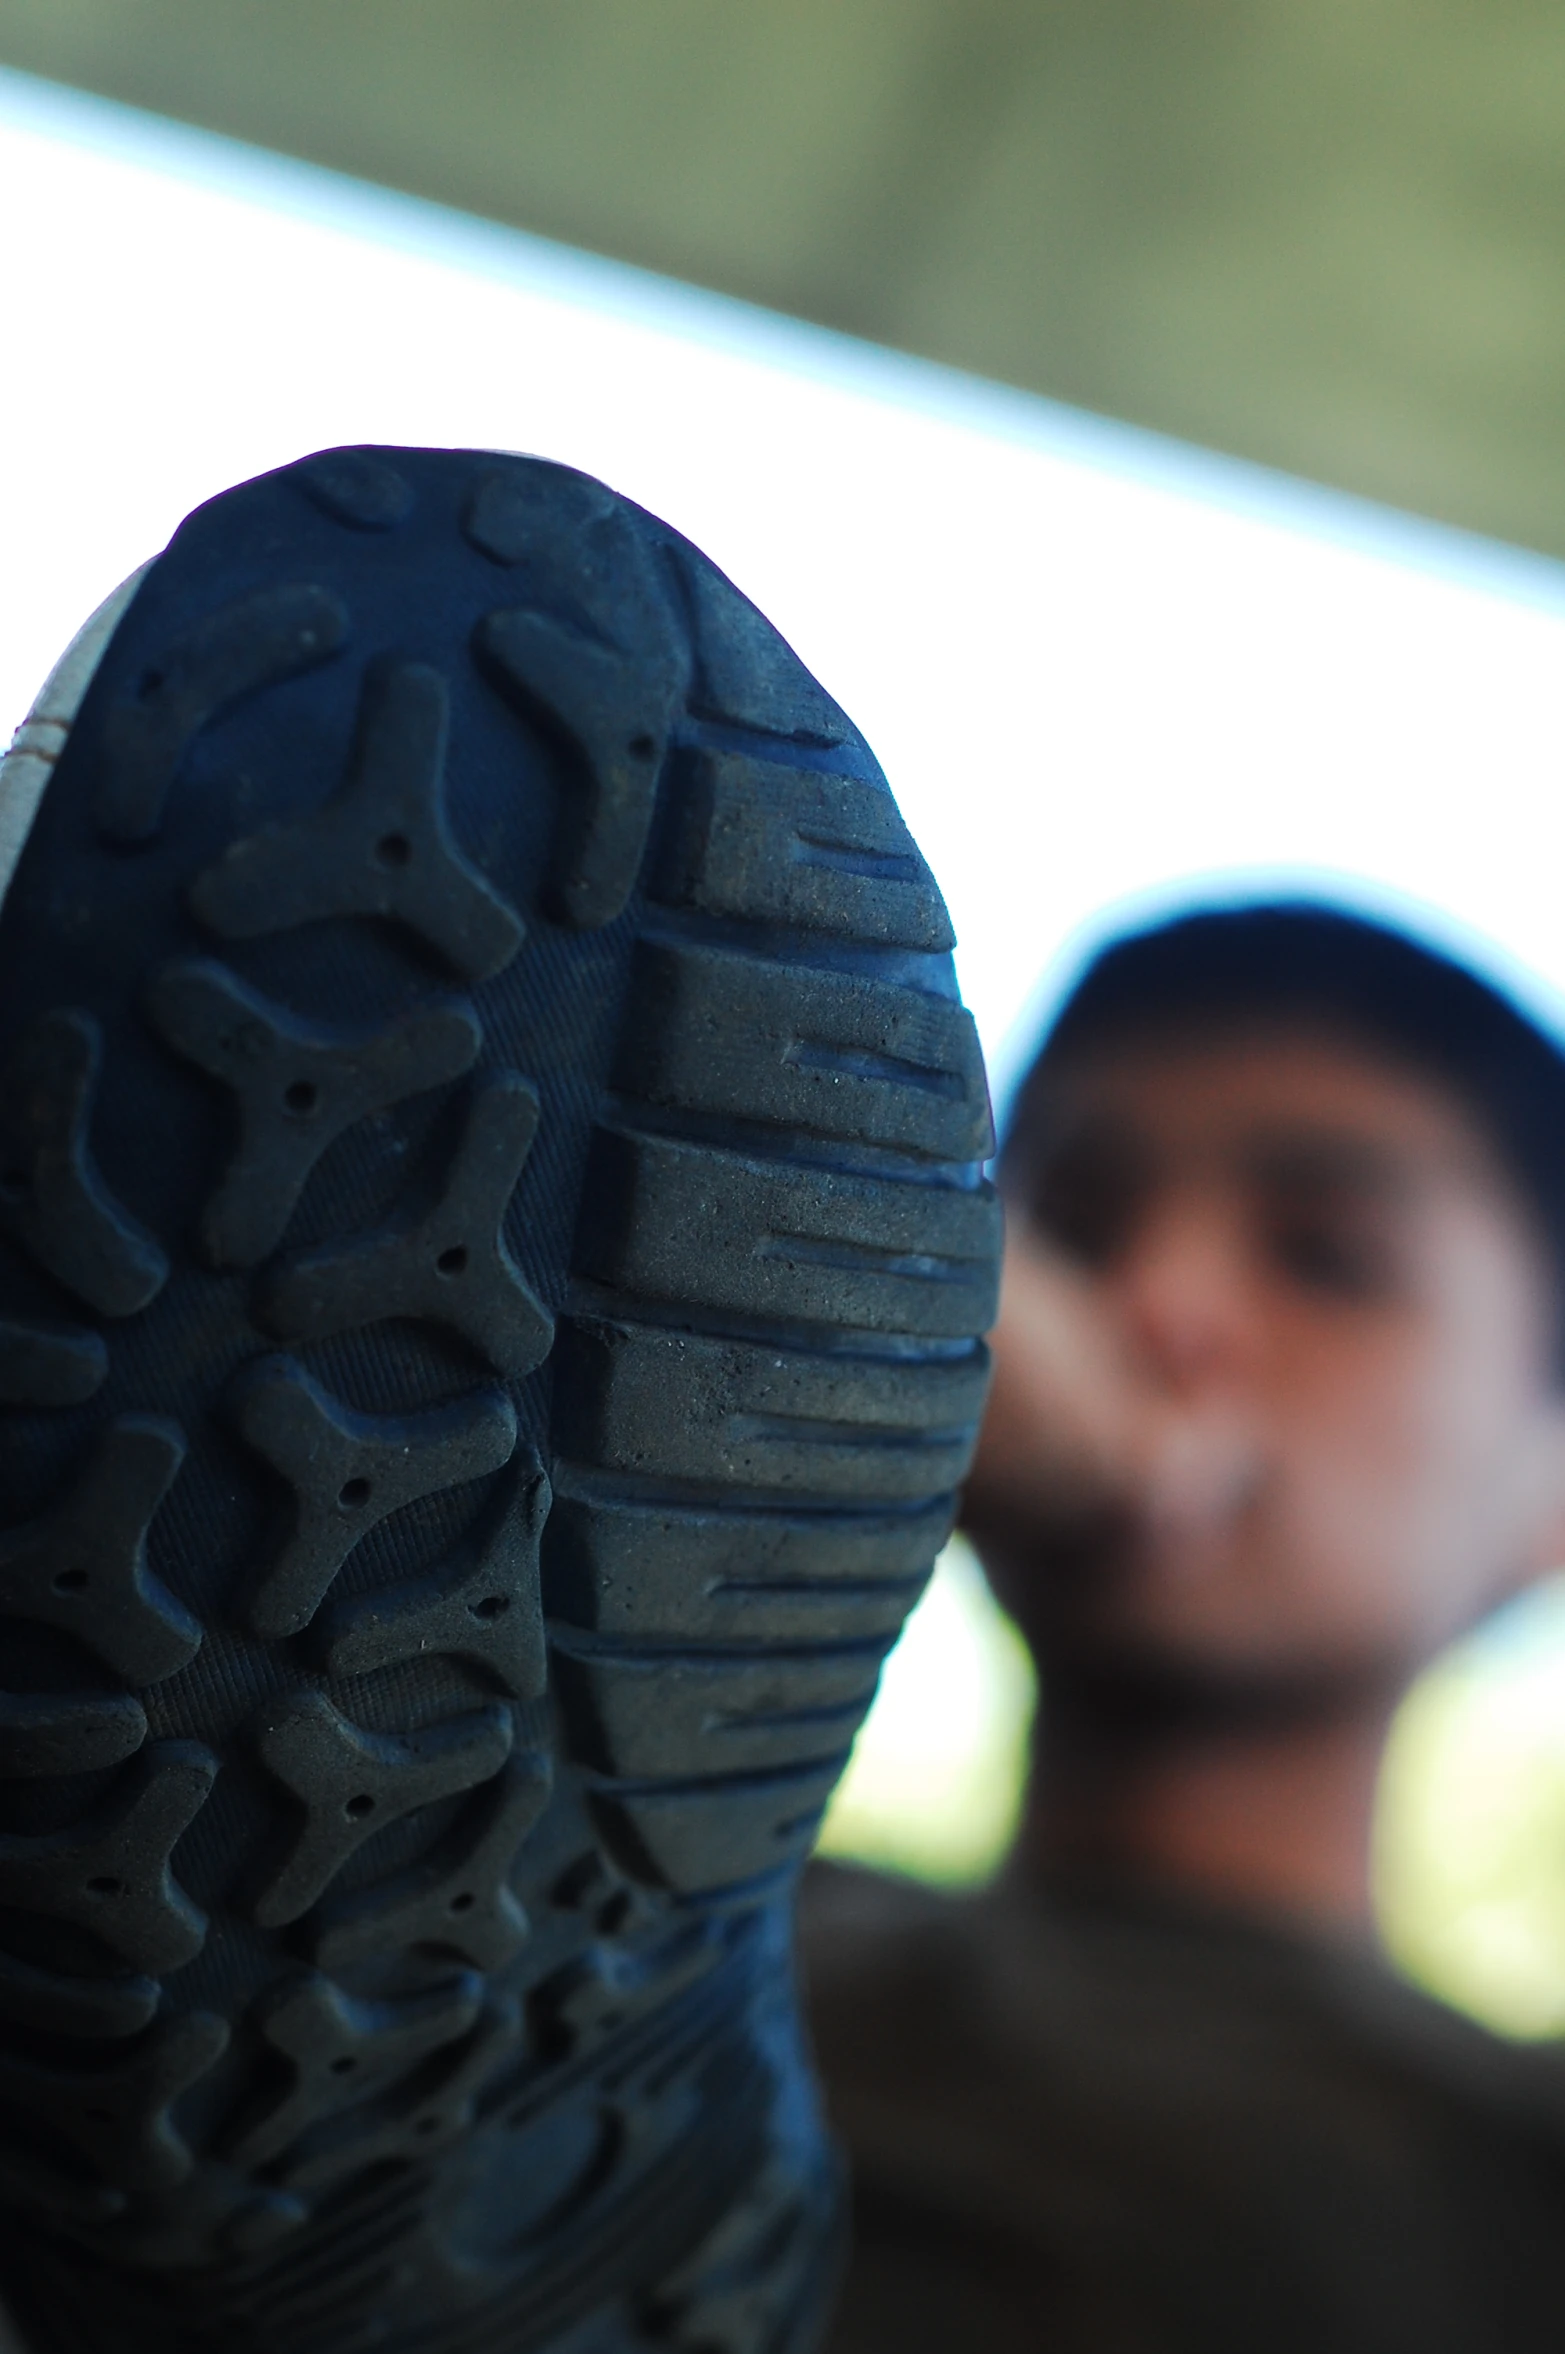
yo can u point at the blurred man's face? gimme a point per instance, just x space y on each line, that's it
1274 1402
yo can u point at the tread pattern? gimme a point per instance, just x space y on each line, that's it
83 1567
341 2052
255 642
719 1576
112 1875
482 1606
383 847
352 1783
753 1416
747 676
605 677
355 488
348 1471
120 2116
49 1363
43 1735
52 1199
761 1239
449 1267
55 2003
728 1832
535 1399
458 1901
428 2109
297 1086
736 1038
703 1716
602 711
779 844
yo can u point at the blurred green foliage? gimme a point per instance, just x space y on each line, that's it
935 1784
1327 237
1471 1862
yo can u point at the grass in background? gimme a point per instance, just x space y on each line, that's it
1471 1863
936 1778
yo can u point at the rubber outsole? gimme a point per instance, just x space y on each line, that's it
492 1244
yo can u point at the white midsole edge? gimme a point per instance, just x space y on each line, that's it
26 769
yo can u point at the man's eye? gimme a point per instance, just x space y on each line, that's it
1323 1255
1080 1229
1087 1213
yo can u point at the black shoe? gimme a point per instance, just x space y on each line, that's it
493 1249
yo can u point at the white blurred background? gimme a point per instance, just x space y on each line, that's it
1101 671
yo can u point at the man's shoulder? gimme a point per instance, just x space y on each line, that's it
848 1912
875 1948
1085 1992
1116 2101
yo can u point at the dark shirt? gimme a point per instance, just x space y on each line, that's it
1111 2124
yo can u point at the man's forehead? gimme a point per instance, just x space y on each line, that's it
1297 1106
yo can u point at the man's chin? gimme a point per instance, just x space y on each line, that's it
1094 1596
1133 1689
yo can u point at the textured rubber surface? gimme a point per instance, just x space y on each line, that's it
491 1248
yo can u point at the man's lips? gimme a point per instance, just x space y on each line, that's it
1193 1474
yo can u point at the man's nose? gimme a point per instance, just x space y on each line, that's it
1187 1307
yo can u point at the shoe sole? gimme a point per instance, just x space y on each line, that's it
493 1250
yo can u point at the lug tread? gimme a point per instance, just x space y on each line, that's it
745 673
618 733
83 1566
735 1036
758 1407
49 1364
52 1199
424 2114
297 1087
67 1733
554 526
458 1901
731 1413
352 1783
775 844
603 673
256 641
771 1242
602 1988
119 2117
716 1836
355 487
638 1573
348 1472
342 2050
57 2003
449 1267
680 1716
112 1873
485 1608
382 848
